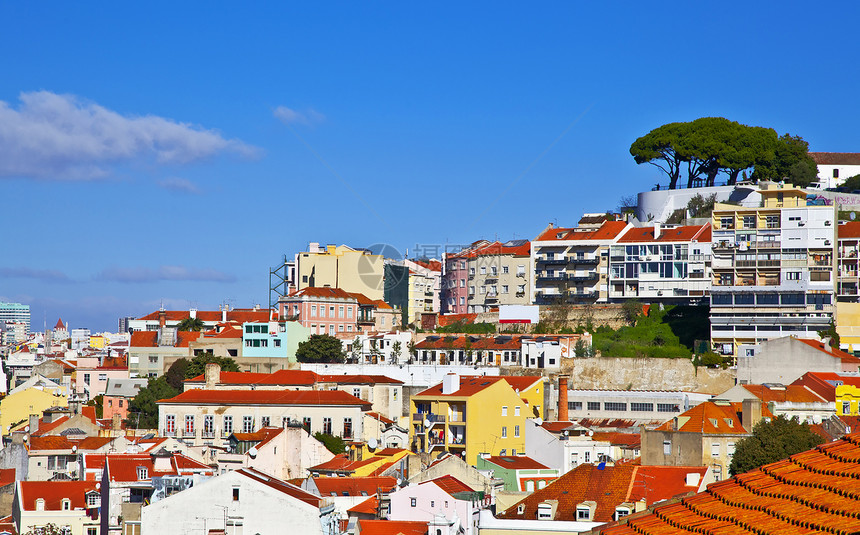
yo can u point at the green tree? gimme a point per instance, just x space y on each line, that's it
790 160
190 324
98 403
142 410
631 309
197 365
320 348
831 332
659 148
175 374
772 441
700 206
852 183
332 443
396 349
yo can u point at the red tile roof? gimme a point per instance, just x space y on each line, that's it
847 358
353 486
262 437
449 484
836 158
60 325
790 393
368 506
470 384
607 231
266 397
60 442
608 488
625 440
824 383
556 427
496 248
516 462
811 492
700 233
53 492
432 265
714 418
338 462
476 343
392 527
143 339
381 418
123 467
448 319
7 476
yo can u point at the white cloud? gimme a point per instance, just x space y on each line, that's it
45 275
63 137
180 185
290 116
164 273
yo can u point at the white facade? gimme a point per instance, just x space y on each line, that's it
642 405
379 348
239 502
428 502
565 452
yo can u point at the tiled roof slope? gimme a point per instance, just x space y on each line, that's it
266 397
836 158
293 378
471 384
816 491
848 229
835 351
607 231
608 488
699 233
393 527
710 417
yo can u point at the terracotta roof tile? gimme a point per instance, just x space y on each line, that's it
713 417
281 486
266 397
811 492
848 229
699 233
367 507
607 231
353 486
470 384
516 462
790 393
836 158
834 351
449 484
392 527
53 492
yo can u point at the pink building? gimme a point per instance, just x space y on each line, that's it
118 393
328 310
91 380
455 294
445 496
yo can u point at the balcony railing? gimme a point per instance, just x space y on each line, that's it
208 434
586 261
582 278
552 261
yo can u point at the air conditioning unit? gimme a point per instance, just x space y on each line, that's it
826 242
828 223
801 223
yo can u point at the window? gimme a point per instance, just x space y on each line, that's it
142 473
93 499
614 406
348 312
516 431
588 456
836 173
347 428
667 447
67 505
92 531
306 423
749 221
462 283
247 424
208 425
667 407
340 311
277 343
331 330
153 359
641 407
413 502
326 426
235 494
504 270
583 513
792 275
87 377
170 424
356 392
504 432
313 310
517 410
715 449
189 424
264 421
228 425
483 270
772 221
504 288
504 411
462 301
594 405
331 311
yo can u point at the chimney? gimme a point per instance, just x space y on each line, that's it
826 342
33 423
192 312
224 313
562 398
212 374
450 383
657 230
116 424
162 318
751 414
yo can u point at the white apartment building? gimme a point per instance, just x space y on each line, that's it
848 256
662 263
773 269
641 405
570 265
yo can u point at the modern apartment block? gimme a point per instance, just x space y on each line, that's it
15 312
486 275
670 264
773 269
571 264
847 272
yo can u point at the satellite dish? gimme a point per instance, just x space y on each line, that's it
98 486
26 428
372 443
253 452
74 449
426 422
539 420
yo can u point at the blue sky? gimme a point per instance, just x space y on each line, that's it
173 151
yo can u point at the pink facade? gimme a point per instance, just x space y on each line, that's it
455 283
114 405
91 382
324 311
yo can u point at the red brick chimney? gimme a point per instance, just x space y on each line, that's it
562 398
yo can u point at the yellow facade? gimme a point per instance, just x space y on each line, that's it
848 324
97 341
341 267
848 400
18 407
491 420
375 461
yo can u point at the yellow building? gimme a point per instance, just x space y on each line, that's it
18 406
98 341
471 415
352 270
848 397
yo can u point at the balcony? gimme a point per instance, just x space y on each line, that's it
582 278
552 261
189 433
208 434
585 261
558 277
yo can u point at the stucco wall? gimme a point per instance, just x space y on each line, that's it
646 374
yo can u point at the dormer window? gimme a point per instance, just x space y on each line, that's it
67 504
521 509
544 511
40 504
583 513
93 499
142 473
